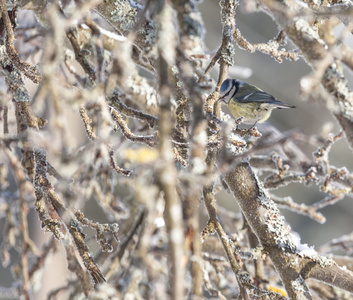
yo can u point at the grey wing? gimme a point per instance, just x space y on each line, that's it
258 96
262 97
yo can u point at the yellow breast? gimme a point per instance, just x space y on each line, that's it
252 112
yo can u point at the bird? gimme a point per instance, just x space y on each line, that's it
248 101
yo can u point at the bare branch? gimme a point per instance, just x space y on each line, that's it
28 70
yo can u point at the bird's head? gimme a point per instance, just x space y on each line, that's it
229 88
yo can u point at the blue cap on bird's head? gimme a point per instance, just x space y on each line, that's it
225 85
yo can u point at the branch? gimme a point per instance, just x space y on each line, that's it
270 48
134 113
124 16
318 55
166 171
309 211
150 140
28 70
224 55
294 263
68 221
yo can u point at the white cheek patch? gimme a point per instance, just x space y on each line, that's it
229 94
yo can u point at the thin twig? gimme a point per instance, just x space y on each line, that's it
149 140
128 111
28 70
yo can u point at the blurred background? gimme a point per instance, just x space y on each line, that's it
279 79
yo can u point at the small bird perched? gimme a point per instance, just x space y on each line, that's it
248 101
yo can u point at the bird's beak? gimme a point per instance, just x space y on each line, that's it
223 99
